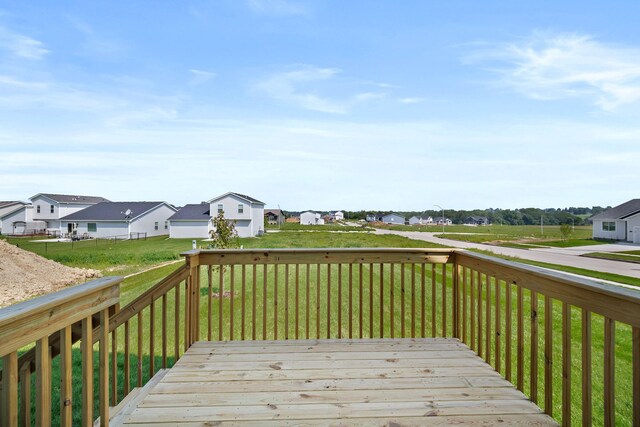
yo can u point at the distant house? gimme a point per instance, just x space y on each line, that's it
273 216
6 208
20 221
619 223
50 208
339 216
371 217
311 218
393 219
196 221
476 220
443 221
420 220
119 219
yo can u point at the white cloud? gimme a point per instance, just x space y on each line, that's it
559 66
411 100
200 76
277 7
299 87
21 46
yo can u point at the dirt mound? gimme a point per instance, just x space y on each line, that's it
24 274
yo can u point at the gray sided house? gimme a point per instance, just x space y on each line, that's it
273 216
393 219
476 220
195 221
619 223
119 220
50 208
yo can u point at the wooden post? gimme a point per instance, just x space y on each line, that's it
66 383
104 368
87 372
9 395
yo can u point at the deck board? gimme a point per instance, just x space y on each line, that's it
329 382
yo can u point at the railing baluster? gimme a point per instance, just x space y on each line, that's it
127 357
220 301
444 300
402 302
370 300
548 355
339 300
275 302
488 319
635 343
308 307
210 303
534 348
609 372
87 374
254 304
433 300
264 301
328 301
152 334
361 315
472 309
413 300
66 376
498 328
187 310
586 369
140 344
423 301
232 312
480 314
350 300
380 299
43 383
176 331
9 395
286 301
114 367
566 364
507 330
464 304
297 306
164 331
25 396
103 366
520 340
318 301
244 300
392 287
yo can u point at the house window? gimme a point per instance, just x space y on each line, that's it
38 208
240 208
608 226
155 225
51 209
92 227
220 209
166 225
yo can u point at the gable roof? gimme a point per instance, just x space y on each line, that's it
11 202
66 198
114 211
273 211
621 211
192 212
242 196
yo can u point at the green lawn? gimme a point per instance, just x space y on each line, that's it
294 226
615 256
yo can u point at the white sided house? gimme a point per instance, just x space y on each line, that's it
50 208
195 221
120 220
6 208
20 221
619 223
420 220
311 218
339 216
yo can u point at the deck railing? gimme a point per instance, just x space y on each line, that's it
571 345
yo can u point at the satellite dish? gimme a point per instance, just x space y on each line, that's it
128 212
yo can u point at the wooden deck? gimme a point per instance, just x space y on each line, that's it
395 382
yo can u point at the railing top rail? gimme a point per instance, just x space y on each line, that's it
25 322
617 302
318 250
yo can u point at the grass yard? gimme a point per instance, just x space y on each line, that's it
615 256
294 226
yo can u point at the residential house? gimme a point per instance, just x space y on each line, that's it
338 216
50 208
20 221
476 220
619 223
196 221
393 218
372 217
443 221
420 220
273 216
6 208
119 220
311 218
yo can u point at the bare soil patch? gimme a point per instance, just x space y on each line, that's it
24 275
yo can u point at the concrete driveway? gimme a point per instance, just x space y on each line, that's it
563 256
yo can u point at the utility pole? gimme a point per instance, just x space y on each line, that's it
542 225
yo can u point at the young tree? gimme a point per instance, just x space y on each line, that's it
224 233
566 230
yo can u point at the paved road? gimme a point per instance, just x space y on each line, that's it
563 256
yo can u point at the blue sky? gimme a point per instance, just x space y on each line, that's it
323 104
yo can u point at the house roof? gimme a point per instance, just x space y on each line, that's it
193 212
273 211
11 202
242 196
114 211
67 198
621 211
392 214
